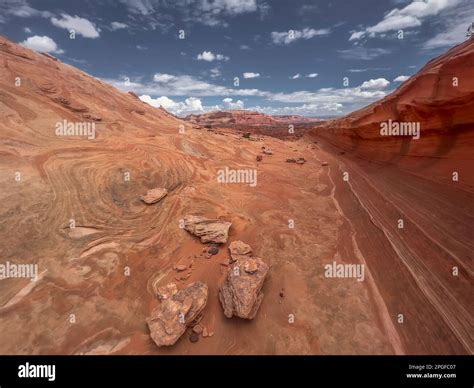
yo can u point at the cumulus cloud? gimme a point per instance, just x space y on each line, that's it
324 100
401 78
118 26
287 37
379 83
229 103
209 56
296 76
251 75
312 75
80 25
189 105
412 15
43 44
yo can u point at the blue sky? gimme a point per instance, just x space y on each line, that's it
290 57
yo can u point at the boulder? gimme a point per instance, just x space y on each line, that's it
208 230
239 250
168 321
241 294
154 195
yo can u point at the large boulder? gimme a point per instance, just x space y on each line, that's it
208 230
241 294
176 312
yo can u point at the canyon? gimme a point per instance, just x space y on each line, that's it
403 208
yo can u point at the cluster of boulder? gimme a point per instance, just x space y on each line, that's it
240 294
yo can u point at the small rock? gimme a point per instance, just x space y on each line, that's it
180 267
301 161
291 160
197 329
167 291
213 250
324 163
239 249
204 332
259 158
154 195
194 337
210 334
250 266
282 294
246 135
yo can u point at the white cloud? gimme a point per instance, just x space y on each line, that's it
401 78
291 36
20 8
162 77
229 103
80 25
180 85
118 26
453 26
363 53
42 44
410 16
251 75
210 13
379 83
296 76
215 72
27 30
312 75
314 109
209 56
324 101
189 105
141 47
